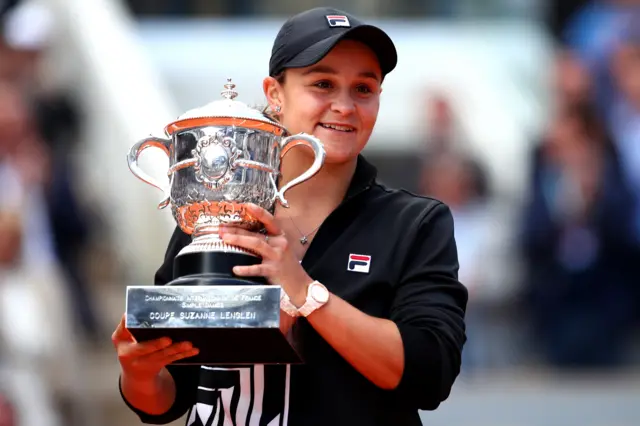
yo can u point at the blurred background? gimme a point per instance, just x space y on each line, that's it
522 115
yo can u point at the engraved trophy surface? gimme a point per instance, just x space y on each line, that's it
221 157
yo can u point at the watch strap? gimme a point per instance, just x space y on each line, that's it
287 306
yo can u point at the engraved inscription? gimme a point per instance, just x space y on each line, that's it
206 302
238 315
198 315
204 315
162 298
203 307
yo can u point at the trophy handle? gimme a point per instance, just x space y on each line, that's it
132 160
301 139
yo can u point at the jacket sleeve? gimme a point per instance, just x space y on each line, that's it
185 376
429 308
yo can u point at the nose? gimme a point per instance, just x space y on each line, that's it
343 103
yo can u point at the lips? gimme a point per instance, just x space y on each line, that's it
338 127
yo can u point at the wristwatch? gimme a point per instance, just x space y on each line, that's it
286 305
317 297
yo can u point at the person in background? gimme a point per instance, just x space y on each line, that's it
27 28
28 265
572 83
592 34
578 244
24 171
624 116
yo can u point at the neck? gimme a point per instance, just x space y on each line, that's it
323 192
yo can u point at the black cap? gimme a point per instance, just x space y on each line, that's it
306 38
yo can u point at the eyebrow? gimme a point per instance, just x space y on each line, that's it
323 69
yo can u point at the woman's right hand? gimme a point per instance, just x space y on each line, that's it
143 361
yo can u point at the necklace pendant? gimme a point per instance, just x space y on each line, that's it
304 240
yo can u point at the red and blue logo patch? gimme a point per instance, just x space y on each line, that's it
359 263
338 21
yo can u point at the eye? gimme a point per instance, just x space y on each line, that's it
323 85
363 88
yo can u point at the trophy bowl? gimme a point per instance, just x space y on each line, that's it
222 156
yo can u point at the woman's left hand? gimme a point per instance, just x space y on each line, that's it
279 265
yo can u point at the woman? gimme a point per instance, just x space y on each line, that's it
386 339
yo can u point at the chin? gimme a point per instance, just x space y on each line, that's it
340 156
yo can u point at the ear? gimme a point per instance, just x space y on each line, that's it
272 91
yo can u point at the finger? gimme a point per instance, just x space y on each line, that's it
258 270
255 243
265 218
136 350
182 355
121 334
166 353
272 240
237 231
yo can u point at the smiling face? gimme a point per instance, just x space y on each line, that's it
336 100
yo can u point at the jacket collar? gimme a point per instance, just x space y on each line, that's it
364 176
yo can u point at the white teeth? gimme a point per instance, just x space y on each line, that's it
340 128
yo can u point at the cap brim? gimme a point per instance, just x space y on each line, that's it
376 39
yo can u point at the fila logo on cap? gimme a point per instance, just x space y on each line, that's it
359 263
338 21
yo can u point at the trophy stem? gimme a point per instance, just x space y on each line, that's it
207 239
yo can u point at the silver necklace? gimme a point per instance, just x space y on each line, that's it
305 238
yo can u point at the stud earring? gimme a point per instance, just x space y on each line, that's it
278 109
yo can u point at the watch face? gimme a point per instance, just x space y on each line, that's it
319 293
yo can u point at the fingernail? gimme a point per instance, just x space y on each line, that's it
165 341
186 346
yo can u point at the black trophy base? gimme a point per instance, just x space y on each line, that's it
231 320
205 268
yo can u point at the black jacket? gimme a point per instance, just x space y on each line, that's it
412 280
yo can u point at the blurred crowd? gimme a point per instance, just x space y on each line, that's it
42 218
581 227
575 246
44 226
559 285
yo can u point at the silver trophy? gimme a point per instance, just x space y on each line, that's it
221 157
